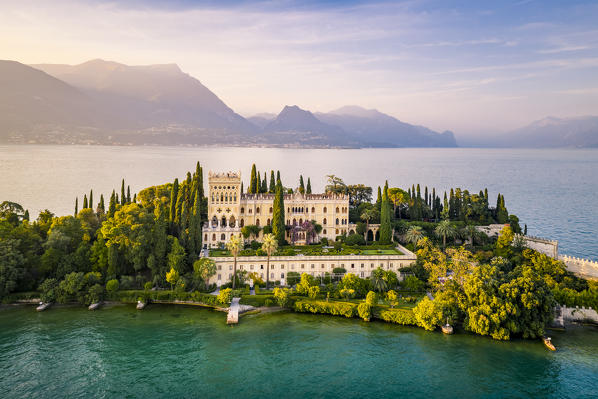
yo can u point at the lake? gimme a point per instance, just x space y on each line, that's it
554 191
176 351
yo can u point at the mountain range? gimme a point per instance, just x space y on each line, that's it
104 102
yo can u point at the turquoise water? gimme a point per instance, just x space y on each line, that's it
167 351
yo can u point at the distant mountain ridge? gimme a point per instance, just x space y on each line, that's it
581 132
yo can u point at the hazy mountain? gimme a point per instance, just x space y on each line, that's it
154 95
31 99
261 120
295 125
555 132
373 128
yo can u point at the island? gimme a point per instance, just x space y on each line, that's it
441 261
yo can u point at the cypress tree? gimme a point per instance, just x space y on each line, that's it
259 183
272 183
76 206
101 204
379 199
117 200
112 205
179 206
264 184
525 229
26 215
433 200
128 193
301 185
278 228
135 197
486 195
253 182
278 180
413 191
241 187
385 228
91 199
197 222
84 201
426 196
123 198
174 192
308 188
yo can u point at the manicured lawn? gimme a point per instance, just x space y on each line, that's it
316 250
381 252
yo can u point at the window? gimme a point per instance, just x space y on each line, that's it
337 211
270 209
281 275
282 266
257 222
214 237
313 210
313 266
268 222
324 231
352 266
257 210
250 211
223 236
322 265
219 267
262 268
250 267
337 221
242 210
205 237
324 209
220 277
230 267
325 222
303 266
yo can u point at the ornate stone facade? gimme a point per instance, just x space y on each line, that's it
229 210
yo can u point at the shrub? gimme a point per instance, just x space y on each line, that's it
148 286
307 281
293 278
268 302
333 308
365 311
347 293
428 314
112 286
355 239
324 241
398 316
282 296
95 293
127 282
313 292
225 296
371 298
256 300
48 290
391 297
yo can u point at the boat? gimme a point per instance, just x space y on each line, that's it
43 306
447 328
548 343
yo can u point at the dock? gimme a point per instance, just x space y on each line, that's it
233 312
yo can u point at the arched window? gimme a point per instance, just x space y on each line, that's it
337 221
337 211
301 221
294 222
270 209
232 221
288 210
214 221
205 237
212 197
257 210
221 197
324 209
222 237
223 221
313 210
242 210
268 222
225 197
324 231
214 237
235 197
257 222
324 222
242 223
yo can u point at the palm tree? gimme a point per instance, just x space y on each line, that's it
471 232
414 234
367 215
445 229
234 246
378 282
269 246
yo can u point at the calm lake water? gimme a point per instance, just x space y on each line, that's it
167 351
554 191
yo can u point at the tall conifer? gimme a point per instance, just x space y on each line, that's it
174 192
253 181
84 201
385 227
301 185
308 188
76 206
272 188
112 205
91 199
128 193
278 228
101 206
123 198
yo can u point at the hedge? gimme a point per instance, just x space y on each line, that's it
256 300
166 295
346 309
398 316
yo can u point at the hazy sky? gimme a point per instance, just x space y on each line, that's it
469 67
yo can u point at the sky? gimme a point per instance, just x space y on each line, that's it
475 68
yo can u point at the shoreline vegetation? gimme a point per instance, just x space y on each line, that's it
147 246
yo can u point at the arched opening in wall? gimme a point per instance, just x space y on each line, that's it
242 223
205 237
257 210
337 211
221 197
301 221
325 209
214 221
370 235
324 221
231 221
235 197
214 237
268 222
223 221
378 236
242 210
257 222
225 197
351 232
294 222
337 221
222 237
271 209
288 210
313 209
324 231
